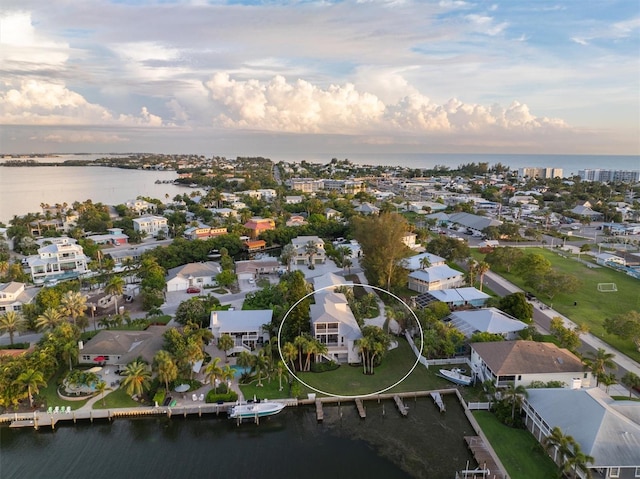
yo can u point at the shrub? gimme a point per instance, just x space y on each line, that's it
324 366
212 397
16 346
159 396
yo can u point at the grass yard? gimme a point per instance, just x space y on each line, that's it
518 450
50 394
593 306
115 399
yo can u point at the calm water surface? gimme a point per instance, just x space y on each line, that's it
426 444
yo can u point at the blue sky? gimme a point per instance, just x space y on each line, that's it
246 77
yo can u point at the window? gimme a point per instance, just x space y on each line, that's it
614 472
86 357
637 474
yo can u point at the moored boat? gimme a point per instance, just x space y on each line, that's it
255 409
455 375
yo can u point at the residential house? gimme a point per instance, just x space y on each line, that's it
254 246
331 214
586 211
367 209
607 259
140 206
114 237
435 277
486 320
334 325
606 429
204 232
119 348
473 222
151 225
252 269
309 250
14 295
419 261
409 239
522 362
296 220
257 225
246 327
327 282
454 297
293 200
191 275
60 260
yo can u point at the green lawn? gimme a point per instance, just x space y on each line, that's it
593 306
50 394
518 450
115 399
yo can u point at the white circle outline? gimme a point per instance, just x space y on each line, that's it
358 395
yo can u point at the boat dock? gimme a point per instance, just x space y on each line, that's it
401 407
361 411
437 398
319 411
484 458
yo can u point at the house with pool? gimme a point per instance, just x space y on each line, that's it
248 328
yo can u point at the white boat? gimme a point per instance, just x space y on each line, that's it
455 375
255 409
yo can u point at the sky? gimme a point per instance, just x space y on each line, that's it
243 77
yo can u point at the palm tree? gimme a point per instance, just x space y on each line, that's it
578 460
425 262
213 373
289 354
631 380
70 352
12 322
49 319
166 368
598 362
137 378
280 368
559 443
32 379
481 269
311 248
300 342
227 375
115 287
101 387
473 268
225 343
514 394
73 304
261 364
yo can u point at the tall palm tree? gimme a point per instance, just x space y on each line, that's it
73 304
32 379
261 364
49 319
213 372
300 342
559 443
598 362
472 269
12 322
166 368
310 248
425 262
70 352
225 343
137 378
289 354
115 287
227 375
578 460
631 380
481 269
514 394
101 387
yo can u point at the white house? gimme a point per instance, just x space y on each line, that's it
14 295
454 297
329 280
487 320
190 275
151 225
409 239
608 258
60 260
606 429
435 277
416 262
253 268
140 206
334 325
244 326
303 256
522 362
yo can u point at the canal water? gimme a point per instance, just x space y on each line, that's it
426 444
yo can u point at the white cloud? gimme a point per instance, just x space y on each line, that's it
486 25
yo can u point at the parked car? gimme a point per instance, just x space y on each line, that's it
193 290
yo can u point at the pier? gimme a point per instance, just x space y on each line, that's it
361 411
487 465
401 407
319 411
437 398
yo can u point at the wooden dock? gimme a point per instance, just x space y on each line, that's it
401 407
319 411
361 410
483 457
437 398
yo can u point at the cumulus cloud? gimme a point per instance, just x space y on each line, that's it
300 107
36 102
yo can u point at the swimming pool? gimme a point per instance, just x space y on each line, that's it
239 370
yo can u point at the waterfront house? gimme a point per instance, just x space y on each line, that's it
522 362
486 320
193 275
435 277
333 324
606 429
151 225
119 348
308 250
257 225
246 327
14 295
140 207
62 259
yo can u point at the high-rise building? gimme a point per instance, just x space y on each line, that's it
606 176
537 172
